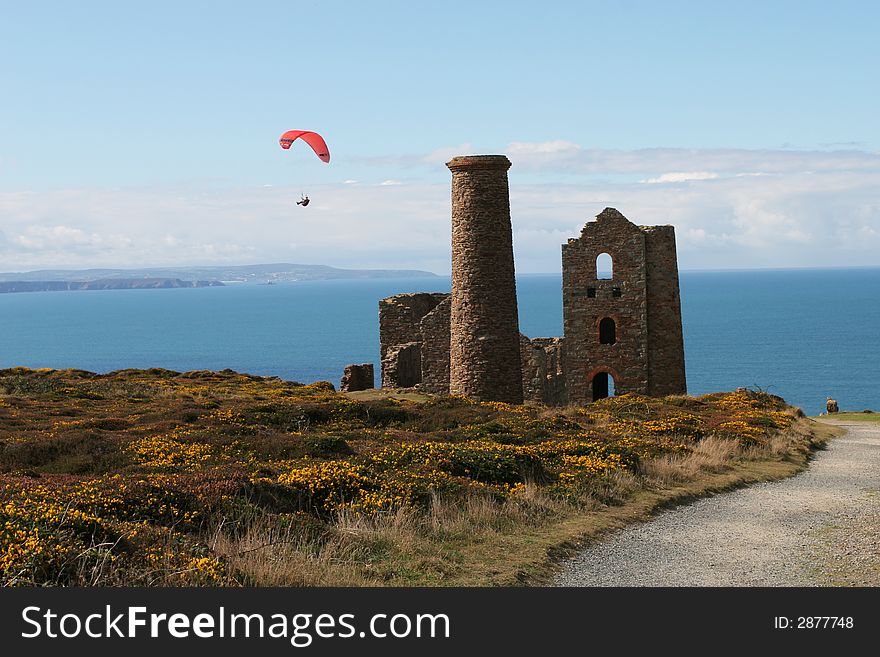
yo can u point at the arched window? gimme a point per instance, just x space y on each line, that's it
607 331
603 386
604 266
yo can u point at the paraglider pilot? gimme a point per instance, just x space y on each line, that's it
304 202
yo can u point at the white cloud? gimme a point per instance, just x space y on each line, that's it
558 155
36 237
567 157
810 215
434 160
792 220
681 176
557 147
386 183
345 225
51 238
446 153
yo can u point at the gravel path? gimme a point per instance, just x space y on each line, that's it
819 528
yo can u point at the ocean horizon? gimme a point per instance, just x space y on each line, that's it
803 334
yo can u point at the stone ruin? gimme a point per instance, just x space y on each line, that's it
622 331
357 377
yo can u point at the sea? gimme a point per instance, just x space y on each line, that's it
803 334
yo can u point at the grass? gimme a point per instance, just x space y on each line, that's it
160 478
864 416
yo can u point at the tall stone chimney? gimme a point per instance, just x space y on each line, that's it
485 362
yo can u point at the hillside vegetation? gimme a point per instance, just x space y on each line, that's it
153 477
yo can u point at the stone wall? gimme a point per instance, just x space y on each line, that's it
425 364
435 331
484 346
400 317
587 300
542 366
357 377
402 365
666 372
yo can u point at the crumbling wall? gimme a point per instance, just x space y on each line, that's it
666 372
435 332
587 300
402 365
425 363
542 368
357 377
400 317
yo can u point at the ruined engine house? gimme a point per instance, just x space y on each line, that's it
621 309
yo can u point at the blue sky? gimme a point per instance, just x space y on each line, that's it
146 133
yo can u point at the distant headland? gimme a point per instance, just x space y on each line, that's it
102 284
177 277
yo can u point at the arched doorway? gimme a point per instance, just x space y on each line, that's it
603 385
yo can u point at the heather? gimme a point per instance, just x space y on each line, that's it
154 477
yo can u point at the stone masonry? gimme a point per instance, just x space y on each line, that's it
399 324
402 365
665 340
543 376
622 332
435 331
587 300
484 359
422 361
357 377
627 327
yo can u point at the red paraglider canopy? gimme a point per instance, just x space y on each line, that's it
313 139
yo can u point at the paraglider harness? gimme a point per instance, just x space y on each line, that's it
304 202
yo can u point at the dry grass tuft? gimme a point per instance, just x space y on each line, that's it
265 554
712 454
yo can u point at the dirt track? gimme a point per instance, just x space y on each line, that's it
819 528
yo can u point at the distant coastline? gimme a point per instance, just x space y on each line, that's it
52 280
102 284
